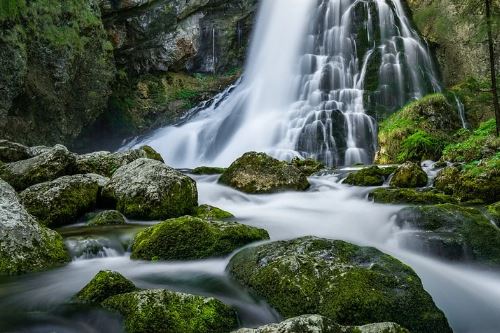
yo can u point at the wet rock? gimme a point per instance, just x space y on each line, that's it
47 166
320 324
61 201
104 285
25 245
189 237
204 170
494 211
409 196
208 212
371 176
453 232
307 166
106 163
13 152
107 217
446 180
150 190
173 312
260 173
350 284
409 175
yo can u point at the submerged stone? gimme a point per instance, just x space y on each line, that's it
409 175
189 237
260 173
104 285
349 284
150 190
172 312
25 245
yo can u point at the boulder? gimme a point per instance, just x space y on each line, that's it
307 166
349 284
208 212
446 180
150 190
189 237
409 196
260 173
51 164
453 232
106 163
409 175
320 324
371 176
172 312
13 152
104 285
107 217
62 201
25 245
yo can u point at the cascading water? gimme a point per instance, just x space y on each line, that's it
314 88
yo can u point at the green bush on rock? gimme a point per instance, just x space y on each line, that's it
193 238
172 312
409 175
352 285
260 173
371 176
104 285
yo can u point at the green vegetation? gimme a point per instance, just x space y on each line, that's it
420 146
204 170
104 285
11 10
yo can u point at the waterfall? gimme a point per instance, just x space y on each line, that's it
319 75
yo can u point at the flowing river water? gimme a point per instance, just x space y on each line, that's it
40 302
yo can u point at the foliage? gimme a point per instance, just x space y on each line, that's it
420 146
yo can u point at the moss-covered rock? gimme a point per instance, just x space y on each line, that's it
61 201
260 173
107 217
106 163
204 170
494 211
51 164
172 312
409 196
13 152
417 132
104 285
320 324
349 284
454 232
409 175
25 245
307 166
208 212
371 176
150 190
446 179
193 238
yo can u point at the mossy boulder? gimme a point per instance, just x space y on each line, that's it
189 237
150 190
307 166
208 212
417 132
51 164
106 163
409 196
105 218
409 175
453 232
205 170
320 324
61 201
172 312
25 245
104 285
13 152
260 173
371 176
349 284
494 211
446 179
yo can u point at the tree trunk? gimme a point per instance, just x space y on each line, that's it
491 47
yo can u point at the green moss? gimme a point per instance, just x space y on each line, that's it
494 211
11 10
104 285
105 218
372 176
166 311
208 212
420 146
409 196
204 170
193 238
151 153
307 166
409 175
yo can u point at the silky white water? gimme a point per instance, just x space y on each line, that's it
319 75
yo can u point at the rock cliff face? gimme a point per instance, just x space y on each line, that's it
114 65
